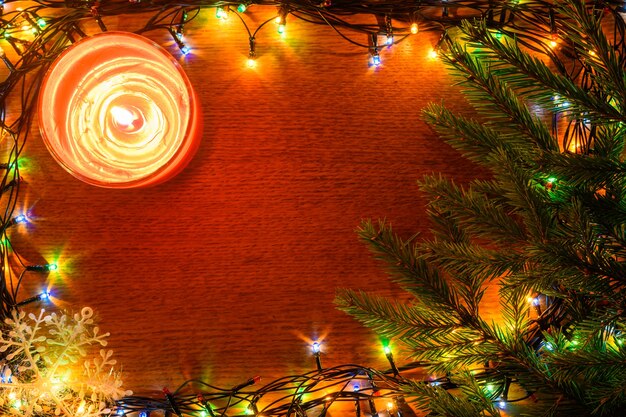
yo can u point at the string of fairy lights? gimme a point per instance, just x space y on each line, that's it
367 391
32 36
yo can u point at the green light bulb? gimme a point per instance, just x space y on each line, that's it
241 8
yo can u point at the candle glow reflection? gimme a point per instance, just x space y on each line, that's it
117 111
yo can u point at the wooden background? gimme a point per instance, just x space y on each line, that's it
230 269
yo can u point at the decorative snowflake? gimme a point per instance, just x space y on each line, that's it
51 366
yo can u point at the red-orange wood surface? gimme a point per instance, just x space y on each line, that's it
230 269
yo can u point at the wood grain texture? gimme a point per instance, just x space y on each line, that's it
230 269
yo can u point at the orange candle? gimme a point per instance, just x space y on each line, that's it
116 110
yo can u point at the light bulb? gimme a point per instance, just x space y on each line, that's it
20 218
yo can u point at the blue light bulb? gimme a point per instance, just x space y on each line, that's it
316 347
376 60
185 50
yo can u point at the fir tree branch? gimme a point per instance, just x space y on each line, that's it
473 211
530 73
495 100
409 270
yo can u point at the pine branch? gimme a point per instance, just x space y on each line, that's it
433 399
392 319
530 73
473 139
473 211
495 100
408 270
584 29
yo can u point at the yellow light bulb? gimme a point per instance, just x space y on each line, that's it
414 28
553 44
251 63
433 54
81 407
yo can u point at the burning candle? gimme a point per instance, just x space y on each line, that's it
116 110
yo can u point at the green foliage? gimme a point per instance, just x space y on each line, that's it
549 223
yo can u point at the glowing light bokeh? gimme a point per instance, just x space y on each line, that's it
116 110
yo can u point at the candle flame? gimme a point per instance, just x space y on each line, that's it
122 116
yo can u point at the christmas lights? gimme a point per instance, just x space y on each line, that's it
43 268
35 50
